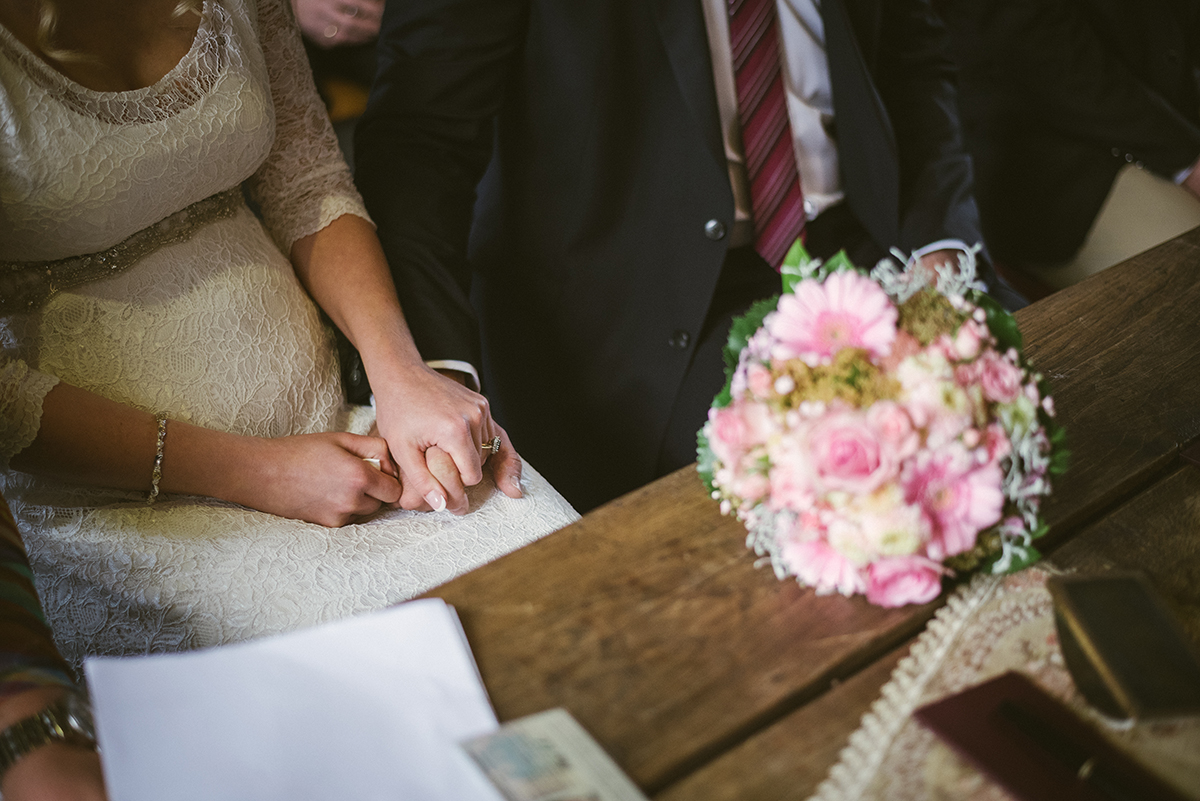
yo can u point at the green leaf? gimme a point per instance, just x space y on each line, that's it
725 396
1023 557
1002 324
705 460
740 331
794 265
837 263
744 327
1057 434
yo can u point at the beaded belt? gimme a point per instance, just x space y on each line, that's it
26 285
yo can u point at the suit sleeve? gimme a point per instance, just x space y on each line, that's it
1077 85
915 79
422 147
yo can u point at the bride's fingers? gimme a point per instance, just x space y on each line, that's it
446 472
381 483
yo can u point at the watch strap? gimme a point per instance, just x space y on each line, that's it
65 720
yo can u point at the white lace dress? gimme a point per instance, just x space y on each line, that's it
131 266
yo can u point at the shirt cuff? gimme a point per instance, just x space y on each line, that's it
455 364
941 244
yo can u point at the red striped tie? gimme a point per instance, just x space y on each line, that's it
775 194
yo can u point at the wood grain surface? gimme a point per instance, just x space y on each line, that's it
1157 532
788 760
1122 351
649 621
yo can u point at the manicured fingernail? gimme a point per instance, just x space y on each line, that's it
436 500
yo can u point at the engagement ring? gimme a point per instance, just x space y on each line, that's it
493 446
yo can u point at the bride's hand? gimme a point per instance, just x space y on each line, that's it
322 478
427 410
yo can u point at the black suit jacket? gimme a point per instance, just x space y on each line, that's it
583 257
1057 96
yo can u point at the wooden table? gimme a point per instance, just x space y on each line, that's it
706 678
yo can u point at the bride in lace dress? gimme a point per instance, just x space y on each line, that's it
135 282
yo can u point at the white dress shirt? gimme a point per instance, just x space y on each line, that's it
810 112
809 104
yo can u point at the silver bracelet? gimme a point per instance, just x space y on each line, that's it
161 420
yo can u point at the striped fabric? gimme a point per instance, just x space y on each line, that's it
28 657
775 194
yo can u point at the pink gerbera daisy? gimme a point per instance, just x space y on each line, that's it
848 310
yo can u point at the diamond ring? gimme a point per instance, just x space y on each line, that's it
493 446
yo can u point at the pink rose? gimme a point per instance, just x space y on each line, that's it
996 441
758 379
1000 378
792 479
737 428
894 426
944 345
819 566
968 340
960 497
848 454
902 580
750 486
728 435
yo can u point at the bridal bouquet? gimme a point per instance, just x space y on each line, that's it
879 431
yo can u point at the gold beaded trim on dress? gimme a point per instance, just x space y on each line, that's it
26 285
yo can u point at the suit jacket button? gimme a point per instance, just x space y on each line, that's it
714 230
680 340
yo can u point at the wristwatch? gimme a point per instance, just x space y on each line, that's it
67 720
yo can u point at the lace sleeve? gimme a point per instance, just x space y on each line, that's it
304 184
21 393
28 657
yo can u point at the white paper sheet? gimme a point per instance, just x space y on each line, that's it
371 707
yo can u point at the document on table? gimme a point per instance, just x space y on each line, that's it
369 707
550 757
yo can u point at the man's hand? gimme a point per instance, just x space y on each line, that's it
331 23
931 261
431 422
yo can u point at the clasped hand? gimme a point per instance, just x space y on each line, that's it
436 430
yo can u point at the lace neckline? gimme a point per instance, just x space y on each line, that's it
179 88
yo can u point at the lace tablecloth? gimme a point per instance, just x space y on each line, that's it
990 626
